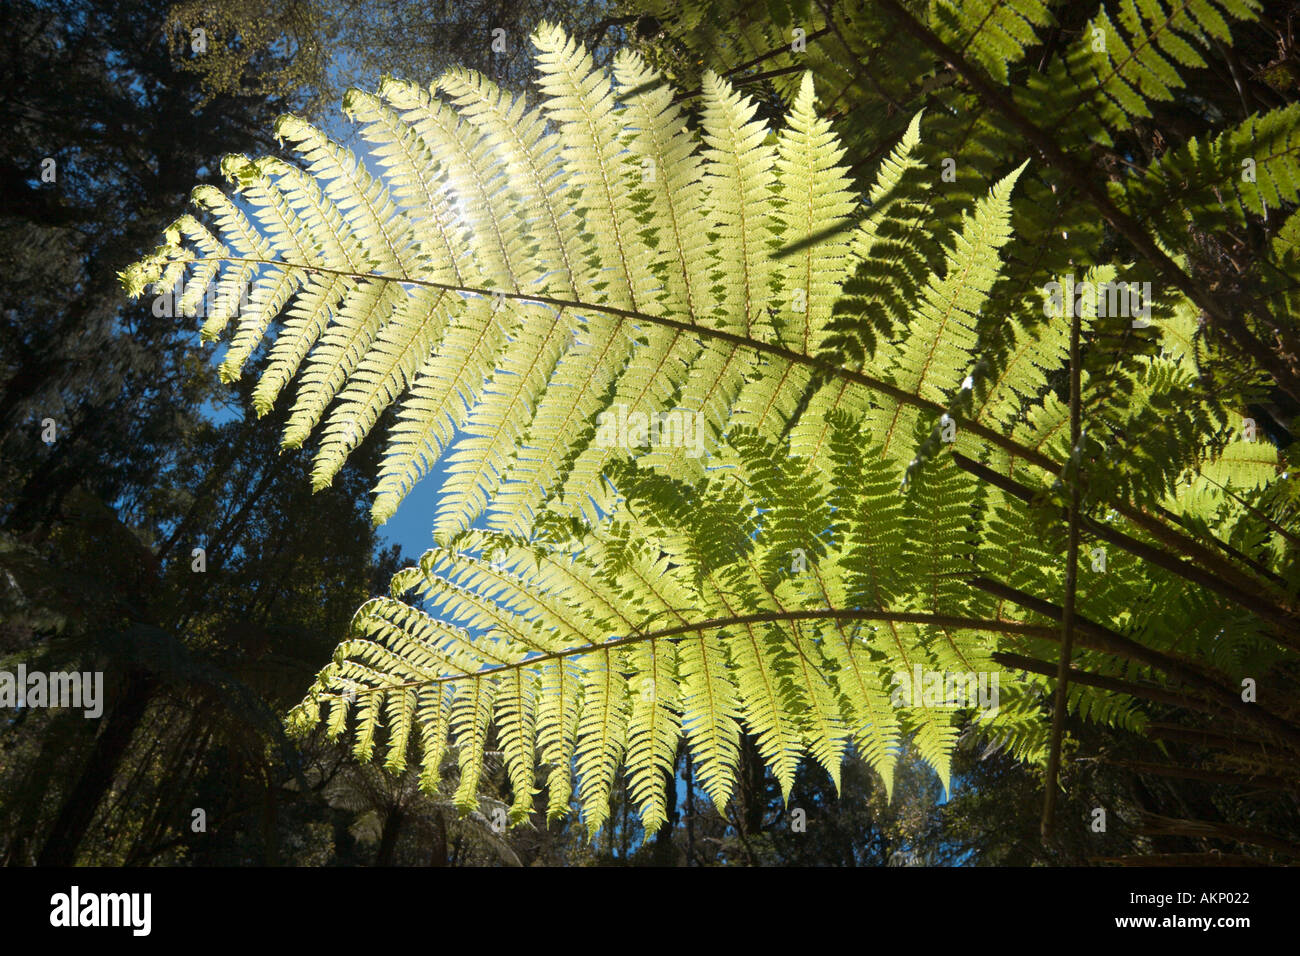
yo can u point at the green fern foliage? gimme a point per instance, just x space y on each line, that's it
1248 170
869 442
509 273
611 649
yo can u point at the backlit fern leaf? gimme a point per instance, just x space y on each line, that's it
507 275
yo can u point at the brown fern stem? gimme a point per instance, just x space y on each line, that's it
1071 588
1253 602
1132 689
742 620
1216 686
1261 781
1156 825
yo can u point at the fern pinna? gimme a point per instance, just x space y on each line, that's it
514 274
515 271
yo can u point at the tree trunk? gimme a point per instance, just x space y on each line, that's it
35 786
79 805
439 855
270 817
752 790
690 810
665 850
388 837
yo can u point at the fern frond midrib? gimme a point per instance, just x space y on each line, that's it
757 345
683 631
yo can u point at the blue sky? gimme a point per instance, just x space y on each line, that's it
412 525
